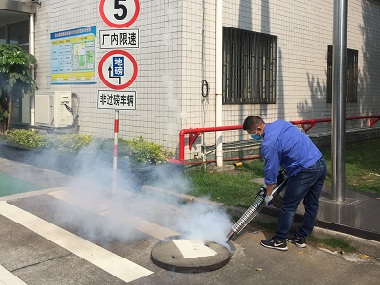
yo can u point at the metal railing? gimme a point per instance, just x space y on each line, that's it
309 124
305 124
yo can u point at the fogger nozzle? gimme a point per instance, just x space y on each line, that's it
255 208
230 235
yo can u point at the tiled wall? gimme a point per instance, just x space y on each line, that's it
303 30
177 52
158 85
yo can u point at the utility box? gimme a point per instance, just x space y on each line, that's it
44 109
52 109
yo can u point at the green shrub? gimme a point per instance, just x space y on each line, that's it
138 149
26 138
67 142
143 151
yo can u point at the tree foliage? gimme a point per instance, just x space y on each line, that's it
15 80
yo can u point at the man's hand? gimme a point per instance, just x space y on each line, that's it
268 200
268 197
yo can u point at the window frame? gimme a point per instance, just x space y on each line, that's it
249 67
352 75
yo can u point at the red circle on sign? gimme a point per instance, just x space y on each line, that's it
115 25
109 84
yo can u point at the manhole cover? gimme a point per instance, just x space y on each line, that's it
190 256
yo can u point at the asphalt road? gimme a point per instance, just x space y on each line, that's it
82 234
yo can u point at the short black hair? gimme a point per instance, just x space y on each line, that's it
252 122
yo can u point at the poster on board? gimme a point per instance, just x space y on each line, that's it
73 56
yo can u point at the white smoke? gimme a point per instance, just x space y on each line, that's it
201 221
119 213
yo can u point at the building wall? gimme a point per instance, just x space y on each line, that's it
158 85
177 52
304 30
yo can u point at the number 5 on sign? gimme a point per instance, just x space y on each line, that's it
119 13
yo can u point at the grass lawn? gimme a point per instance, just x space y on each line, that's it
236 188
362 165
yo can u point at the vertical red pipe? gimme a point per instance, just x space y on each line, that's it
182 145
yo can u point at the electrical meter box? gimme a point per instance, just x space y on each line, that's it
52 109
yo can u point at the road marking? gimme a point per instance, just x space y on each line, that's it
149 228
193 248
27 194
120 267
7 278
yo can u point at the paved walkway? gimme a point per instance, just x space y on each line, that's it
357 215
46 238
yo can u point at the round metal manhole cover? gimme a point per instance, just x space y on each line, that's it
190 256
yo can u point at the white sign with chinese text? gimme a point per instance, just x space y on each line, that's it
119 38
116 100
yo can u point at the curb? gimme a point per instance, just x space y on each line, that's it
368 247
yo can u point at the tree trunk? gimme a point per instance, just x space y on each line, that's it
10 112
3 121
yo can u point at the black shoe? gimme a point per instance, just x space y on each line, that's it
298 241
275 243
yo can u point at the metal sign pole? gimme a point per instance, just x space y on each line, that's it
339 90
112 65
115 151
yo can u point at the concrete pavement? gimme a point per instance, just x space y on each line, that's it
46 238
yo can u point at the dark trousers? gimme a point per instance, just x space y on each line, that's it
307 185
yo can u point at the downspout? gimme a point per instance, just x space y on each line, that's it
219 81
31 51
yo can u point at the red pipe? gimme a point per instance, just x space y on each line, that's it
194 133
177 161
313 122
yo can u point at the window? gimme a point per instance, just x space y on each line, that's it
352 74
2 35
18 34
249 67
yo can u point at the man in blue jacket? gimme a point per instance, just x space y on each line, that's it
285 145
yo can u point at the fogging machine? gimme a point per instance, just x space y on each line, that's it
278 195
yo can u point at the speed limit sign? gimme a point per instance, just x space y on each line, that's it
119 13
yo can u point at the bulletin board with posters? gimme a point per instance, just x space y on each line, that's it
73 56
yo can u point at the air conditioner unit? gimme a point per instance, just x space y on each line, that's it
52 109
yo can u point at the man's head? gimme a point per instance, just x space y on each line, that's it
254 125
